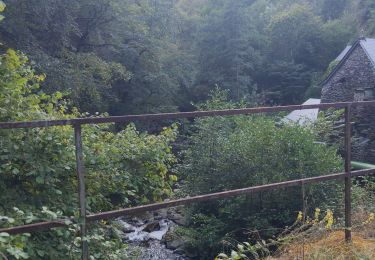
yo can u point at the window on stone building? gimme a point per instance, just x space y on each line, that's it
369 93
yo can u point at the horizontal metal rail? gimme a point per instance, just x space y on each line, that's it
179 115
185 201
39 226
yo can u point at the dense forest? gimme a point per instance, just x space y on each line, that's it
62 59
125 57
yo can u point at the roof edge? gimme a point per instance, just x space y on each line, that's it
342 61
368 55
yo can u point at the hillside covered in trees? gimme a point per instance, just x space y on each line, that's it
63 59
141 56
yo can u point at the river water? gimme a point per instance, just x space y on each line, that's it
147 237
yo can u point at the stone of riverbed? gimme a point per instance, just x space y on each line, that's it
126 227
173 241
157 251
179 251
178 218
174 244
153 226
161 214
177 215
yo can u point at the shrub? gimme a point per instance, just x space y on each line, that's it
37 166
242 151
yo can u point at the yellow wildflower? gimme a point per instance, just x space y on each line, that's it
316 215
329 219
299 216
370 218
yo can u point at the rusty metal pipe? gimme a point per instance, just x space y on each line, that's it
180 115
185 201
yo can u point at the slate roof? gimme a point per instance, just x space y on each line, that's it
343 53
304 116
367 44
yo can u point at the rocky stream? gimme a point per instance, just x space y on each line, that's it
152 234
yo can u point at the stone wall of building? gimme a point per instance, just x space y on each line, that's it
355 81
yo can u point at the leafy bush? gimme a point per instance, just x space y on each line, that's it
242 151
38 166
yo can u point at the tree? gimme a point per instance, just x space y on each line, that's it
365 16
226 49
332 9
296 35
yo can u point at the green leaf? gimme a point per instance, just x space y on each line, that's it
17 253
2 6
40 252
39 180
58 95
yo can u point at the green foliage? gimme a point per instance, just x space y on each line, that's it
329 128
104 240
235 58
149 56
203 234
332 9
2 8
365 11
288 32
144 56
91 48
286 82
330 68
38 166
91 81
243 151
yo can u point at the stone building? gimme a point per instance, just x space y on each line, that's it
353 79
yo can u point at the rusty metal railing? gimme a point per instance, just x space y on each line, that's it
78 122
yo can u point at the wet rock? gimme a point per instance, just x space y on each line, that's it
153 226
179 219
164 226
139 219
126 227
135 221
160 214
174 244
173 241
179 251
157 216
147 216
190 253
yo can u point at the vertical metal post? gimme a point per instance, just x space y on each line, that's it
81 189
348 178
